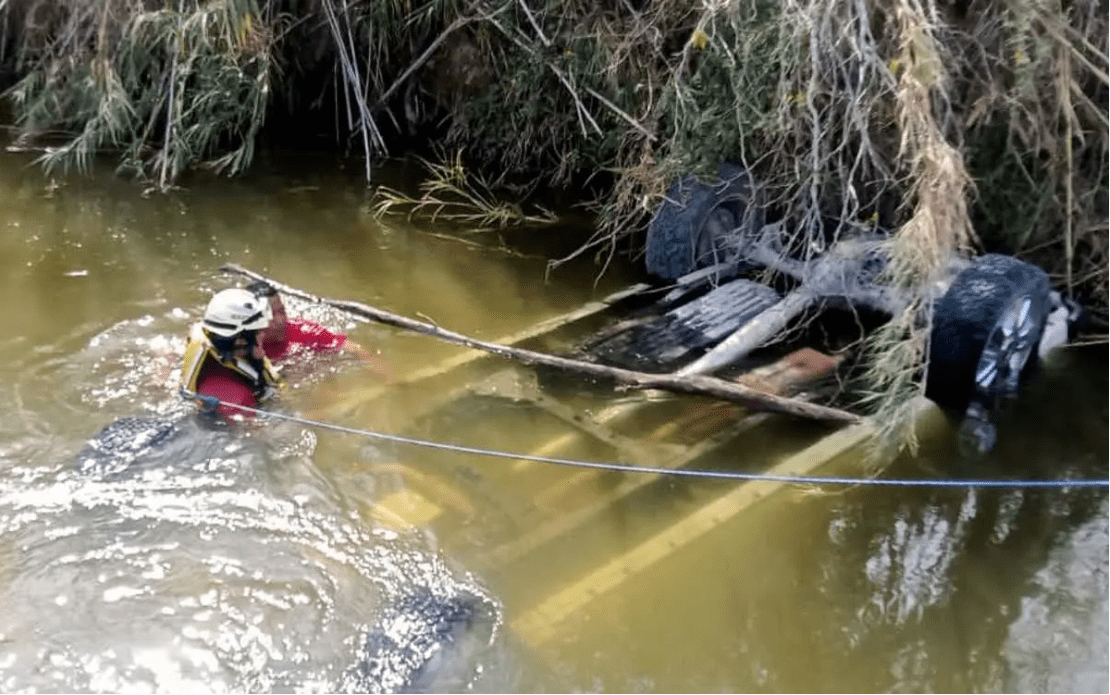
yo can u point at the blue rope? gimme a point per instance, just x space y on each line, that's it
211 402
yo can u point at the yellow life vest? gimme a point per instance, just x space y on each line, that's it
200 349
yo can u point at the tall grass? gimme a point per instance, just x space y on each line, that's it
185 84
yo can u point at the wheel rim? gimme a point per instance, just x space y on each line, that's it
1006 352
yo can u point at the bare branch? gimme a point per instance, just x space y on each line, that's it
696 385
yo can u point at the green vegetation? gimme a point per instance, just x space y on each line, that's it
956 123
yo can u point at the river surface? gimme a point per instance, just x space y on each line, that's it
259 560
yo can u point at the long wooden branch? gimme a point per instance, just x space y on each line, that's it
695 385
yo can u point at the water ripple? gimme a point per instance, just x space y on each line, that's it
171 575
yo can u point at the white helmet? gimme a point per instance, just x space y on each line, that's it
233 311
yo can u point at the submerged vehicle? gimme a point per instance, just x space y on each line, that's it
991 318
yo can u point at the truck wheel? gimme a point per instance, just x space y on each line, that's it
699 225
986 327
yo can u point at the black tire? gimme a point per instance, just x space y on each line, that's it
691 226
967 315
670 246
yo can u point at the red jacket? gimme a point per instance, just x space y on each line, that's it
301 334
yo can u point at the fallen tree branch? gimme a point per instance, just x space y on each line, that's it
694 385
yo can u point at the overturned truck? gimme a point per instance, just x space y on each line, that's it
990 319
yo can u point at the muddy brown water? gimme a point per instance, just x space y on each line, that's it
256 565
